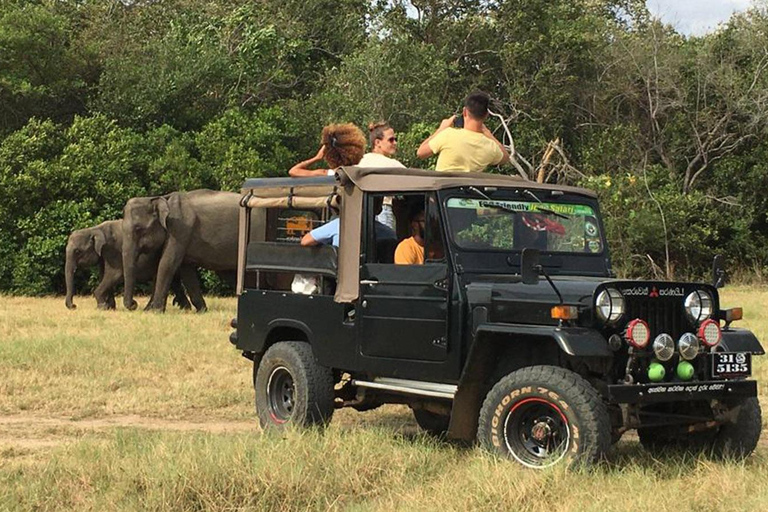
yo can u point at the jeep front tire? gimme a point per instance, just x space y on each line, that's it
735 438
292 388
544 415
738 438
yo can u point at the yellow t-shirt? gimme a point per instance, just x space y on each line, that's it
464 150
409 252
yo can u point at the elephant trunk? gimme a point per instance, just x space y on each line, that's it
69 271
130 254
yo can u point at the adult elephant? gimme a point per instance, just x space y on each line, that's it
197 228
103 245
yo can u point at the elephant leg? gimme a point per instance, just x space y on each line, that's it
166 269
104 293
192 284
179 294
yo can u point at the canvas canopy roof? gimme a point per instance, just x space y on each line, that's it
371 179
347 188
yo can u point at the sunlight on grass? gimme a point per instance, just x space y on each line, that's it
159 374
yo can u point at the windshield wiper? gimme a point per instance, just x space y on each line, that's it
492 204
545 210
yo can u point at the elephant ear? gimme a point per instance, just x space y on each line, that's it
98 241
161 205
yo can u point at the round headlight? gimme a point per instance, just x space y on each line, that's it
698 306
688 345
610 305
664 347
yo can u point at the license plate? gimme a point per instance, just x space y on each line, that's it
731 364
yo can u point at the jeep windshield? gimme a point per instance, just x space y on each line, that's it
511 225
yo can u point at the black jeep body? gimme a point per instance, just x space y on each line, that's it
512 332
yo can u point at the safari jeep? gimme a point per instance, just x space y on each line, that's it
512 331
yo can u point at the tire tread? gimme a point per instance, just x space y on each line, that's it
587 404
319 383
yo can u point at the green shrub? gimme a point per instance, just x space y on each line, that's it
239 145
38 268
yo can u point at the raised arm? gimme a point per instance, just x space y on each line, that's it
505 158
424 150
302 169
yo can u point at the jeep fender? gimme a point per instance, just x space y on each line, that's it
286 329
484 353
574 341
741 340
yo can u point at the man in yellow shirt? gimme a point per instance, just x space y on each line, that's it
471 148
411 250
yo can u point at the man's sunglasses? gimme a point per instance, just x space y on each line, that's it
392 139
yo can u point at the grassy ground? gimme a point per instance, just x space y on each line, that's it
133 411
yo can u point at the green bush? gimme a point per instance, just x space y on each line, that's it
240 145
38 268
697 226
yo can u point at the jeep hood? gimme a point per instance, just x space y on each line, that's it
516 302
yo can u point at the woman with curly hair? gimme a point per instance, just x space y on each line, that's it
341 144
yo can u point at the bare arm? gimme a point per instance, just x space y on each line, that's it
505 158
424 150
307 240
302 169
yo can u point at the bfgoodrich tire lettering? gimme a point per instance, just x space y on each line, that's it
545 415
291 388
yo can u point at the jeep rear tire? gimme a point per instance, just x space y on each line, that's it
291 388
545 415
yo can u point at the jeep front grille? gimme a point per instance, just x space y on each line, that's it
663 314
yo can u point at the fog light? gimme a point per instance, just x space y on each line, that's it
684 370
664 347
709 332
637 333
615 342
688 346
656 372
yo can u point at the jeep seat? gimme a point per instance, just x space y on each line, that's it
385 250
281 257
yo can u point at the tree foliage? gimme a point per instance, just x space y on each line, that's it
104 100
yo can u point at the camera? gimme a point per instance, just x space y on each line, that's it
458 121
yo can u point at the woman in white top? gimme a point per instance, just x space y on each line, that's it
383 146
341 144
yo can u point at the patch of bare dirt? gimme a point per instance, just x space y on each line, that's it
133 421
30 433
25 434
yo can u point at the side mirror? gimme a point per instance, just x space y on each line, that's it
529 265
718 271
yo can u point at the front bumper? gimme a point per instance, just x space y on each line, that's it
681 391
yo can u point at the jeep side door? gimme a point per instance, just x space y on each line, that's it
404 309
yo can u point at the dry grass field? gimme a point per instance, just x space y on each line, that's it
134 411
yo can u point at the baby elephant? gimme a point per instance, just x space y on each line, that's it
102 245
